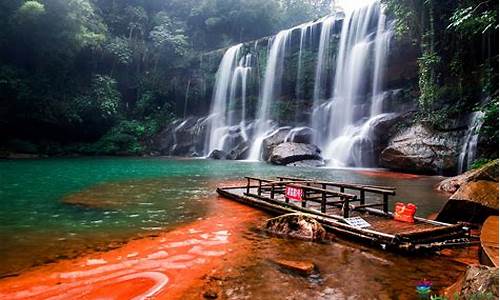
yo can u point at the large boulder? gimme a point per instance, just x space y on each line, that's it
287 153
297 226
422 149
487 172
274 139
473 202
474 195
285 134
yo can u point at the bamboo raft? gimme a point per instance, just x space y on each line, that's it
334 204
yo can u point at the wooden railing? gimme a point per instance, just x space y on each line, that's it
320 192
384 191
325 197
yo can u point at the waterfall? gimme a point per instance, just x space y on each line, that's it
186 98
347 139
217 120
270 90
468 152
347 96
321 75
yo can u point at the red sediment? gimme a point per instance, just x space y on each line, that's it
162 267
388 174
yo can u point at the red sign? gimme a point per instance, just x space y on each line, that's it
405 212
294 193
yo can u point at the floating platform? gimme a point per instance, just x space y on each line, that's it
489 241
355 211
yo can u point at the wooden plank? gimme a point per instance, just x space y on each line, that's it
489 239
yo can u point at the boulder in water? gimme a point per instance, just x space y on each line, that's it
272 140
475 195
287 153
301 267
218 155
422 149
297 226
473 202
487 172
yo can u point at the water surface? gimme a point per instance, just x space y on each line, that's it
59 208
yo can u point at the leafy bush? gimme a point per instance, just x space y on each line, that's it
124 138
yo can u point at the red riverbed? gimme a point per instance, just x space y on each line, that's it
163 267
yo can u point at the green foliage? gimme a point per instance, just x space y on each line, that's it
124 138
478 163
30 11
102 100
119 49
471 20
490 121
168 37
403 15
427 64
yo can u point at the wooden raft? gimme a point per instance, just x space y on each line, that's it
333 203
489 241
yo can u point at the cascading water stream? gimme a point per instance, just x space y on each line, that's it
321 75
347 140
468 152
270 90
217 126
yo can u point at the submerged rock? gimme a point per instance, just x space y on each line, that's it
422 149
301 267
307 163
288 152
297 226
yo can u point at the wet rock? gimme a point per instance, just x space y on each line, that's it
300 135
240 151
473 202
272 140
218 155
287 153
285 134
488 172
307 163
422 149
210 294
301 267
181 137
297 226
478 282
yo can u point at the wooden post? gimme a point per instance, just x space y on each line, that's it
259 189
341 189
323 202
345 207
304 204
362 197
386 203
248 186
272 191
